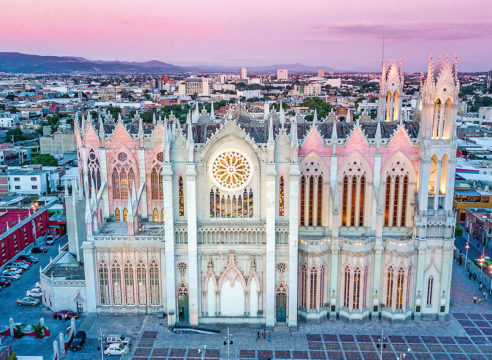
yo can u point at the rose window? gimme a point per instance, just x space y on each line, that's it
231 170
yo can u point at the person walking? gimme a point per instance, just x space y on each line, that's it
263 335
269 336
485 295
480 285
258 335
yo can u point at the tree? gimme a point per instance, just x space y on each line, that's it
45 160
16 133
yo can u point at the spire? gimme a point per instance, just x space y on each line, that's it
334 135
134 195
88 216
140 131
165 142
315 117
455 69
120 120
76 121
282 114
378 137
189 140
266 110
101 131
271 142
153 118
294 145
93 195
349 116
212 112
383 75
130 210
66 189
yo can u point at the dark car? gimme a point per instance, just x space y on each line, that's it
38 250
4 282
30 258
28 262
78 340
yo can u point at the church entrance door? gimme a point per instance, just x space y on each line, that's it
281 307
183 308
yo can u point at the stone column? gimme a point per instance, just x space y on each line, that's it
334 275
293 243
143 202
376 192
163 279
90 271
167 179
376 286
271 205
447 268
419 279
191 215
424 177
448 203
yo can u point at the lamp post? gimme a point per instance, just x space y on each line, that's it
202 351
381 345
481 261
228 342
467 246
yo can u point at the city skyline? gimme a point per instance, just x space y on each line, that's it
345 37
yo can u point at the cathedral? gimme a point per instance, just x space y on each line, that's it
267 219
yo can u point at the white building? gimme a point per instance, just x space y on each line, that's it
33 182
243 73
8 121
282 74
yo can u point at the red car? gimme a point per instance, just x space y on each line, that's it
39 249
24 261
4 282
65 314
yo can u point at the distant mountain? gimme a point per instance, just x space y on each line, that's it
24 63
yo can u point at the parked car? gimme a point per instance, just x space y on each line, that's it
50 240
38 284
23 261
65 314
4 282
35 292
78 340
11 276
19 264
116 349
117 338
39 250
13 269
27 300
30 258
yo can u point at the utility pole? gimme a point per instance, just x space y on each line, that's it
228 342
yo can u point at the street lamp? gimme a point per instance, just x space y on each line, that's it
202 351
228 341
481 261
467 246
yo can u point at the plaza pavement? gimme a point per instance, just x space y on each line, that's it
467 334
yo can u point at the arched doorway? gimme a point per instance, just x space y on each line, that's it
281 307
183 310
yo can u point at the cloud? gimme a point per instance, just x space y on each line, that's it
409 31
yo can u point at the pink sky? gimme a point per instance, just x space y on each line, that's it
342 34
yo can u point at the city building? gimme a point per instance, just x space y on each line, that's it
33 181
321 73
479 224
196 86
264 222
282 74
57 144
243 73
465 198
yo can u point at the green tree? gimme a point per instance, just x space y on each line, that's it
16 134
45 160
321 107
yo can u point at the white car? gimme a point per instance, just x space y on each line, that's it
13 269
116 349
19 265
38 284
29 301
11 276
117 338
35 292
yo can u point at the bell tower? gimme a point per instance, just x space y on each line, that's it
390 92
434 217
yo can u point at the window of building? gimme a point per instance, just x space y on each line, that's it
15 243
181 210
156 215
303 189
281 196
232 205
322 280
125 214
399 289
116 279
313 287
93 172
356 295
17 187
311 194
346 287
364 289
117 216
156 183
303 285
34 187
154 284
389 287
142 284
129 284
16 178
353 194
34 178
430 285
396 200
103 284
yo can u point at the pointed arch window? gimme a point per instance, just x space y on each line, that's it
396 201
125 214
403 220
311 209
154 284
142 284
322 279
117 216
281 196
162 217
345 200
399 289
354 194
314 288
320 201
154 181
303 285
365 289
362 196
156 215
181 196
123 184
116 279
231 206
129 284
115 179
389 287
430 286
93 172
387 199
103 284
356 293
346 287
302 199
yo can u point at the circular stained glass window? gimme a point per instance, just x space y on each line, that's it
231 170
121 156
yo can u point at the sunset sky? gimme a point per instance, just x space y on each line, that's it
342 34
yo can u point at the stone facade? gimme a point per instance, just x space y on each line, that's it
239 220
